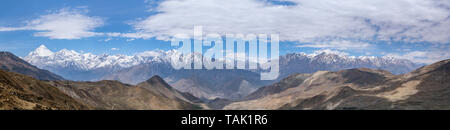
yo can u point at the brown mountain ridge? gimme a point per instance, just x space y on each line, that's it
153 94
20 92
425 88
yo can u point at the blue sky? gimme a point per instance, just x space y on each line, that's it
116 12
410 29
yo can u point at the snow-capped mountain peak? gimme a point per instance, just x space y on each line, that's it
45 58
42 50
332 61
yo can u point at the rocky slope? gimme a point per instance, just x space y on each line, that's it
158 86
289 82
20 92
425 88
113 95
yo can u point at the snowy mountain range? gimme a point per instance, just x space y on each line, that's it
304 63
89 67
45 58
73 60
208 84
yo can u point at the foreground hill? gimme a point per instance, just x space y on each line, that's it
289 82
425 88
11 63
158 86
114 95
20 92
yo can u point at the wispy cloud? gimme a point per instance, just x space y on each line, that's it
339 45
426 57
329 51
65 23
5 29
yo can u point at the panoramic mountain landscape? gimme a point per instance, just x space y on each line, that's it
228 64
225 55
360 88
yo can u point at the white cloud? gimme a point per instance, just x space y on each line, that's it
329 51
427 57
131 35
306 21
129 40
150 53
115 49
62 24
4 29
107 39
339 45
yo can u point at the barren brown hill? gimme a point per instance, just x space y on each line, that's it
114 95
425 88
158 86
20 92
291 81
